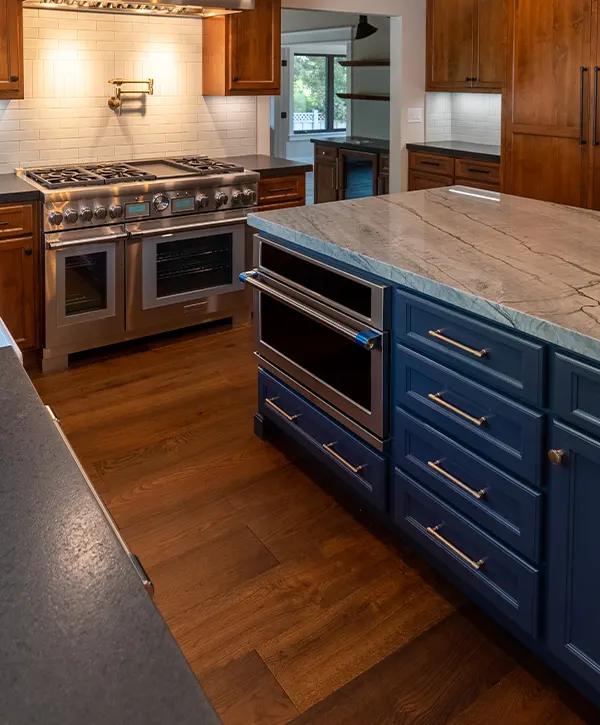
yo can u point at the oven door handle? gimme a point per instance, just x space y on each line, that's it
186 227
368 339
81 242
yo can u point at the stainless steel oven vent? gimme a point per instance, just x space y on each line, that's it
191 8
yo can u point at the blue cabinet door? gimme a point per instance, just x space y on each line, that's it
573 606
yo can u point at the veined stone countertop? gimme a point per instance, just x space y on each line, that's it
525 264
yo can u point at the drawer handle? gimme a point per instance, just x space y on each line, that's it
3 223
287 416
329 448
479 171
456 481
434 531
437 398
438 334
430 163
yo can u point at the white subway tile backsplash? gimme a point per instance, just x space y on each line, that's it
65 118
474 117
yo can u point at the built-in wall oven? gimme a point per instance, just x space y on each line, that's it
180 271
323 332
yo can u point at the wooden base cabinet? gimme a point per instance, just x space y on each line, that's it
282 192
241 52
348 174
19 274
433 171
11 50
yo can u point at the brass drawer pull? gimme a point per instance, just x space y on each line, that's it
435 465
329 448
439 336
437 398
477 565
287 416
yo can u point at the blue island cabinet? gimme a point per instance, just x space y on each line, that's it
491 468
573 606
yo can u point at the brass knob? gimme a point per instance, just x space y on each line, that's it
557 457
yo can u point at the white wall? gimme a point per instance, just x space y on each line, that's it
69 58
472 117
294 20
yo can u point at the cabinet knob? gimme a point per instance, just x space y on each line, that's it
14 79
29 252
557 457
235 79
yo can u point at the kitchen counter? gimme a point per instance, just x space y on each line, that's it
80 640
14 190
270 166
358 143
458 150
526 264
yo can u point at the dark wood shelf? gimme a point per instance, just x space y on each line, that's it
373 63
364 96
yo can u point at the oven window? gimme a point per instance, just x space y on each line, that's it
193 264
327 283
86 283
324 353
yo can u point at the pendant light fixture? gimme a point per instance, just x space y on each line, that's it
364 29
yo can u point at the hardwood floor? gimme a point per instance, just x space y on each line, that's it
288 608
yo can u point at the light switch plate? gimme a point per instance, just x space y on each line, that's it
415 115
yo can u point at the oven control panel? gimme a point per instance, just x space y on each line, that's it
77 211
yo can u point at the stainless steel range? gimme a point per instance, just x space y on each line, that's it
139 247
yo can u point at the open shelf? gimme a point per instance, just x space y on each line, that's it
364 96
373 63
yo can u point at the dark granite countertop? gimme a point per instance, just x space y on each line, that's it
80 640
270 166
14 189
359 143
459 149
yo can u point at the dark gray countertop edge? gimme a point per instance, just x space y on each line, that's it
454 153
13 190
376 147
270 167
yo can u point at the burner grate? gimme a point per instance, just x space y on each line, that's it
119 173
58 177
207 166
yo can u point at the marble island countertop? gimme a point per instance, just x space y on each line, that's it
522 263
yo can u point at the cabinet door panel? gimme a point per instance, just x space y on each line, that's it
11 49
548 44
325 181
490 50
17 290
255 42
418 181
450 27
573 562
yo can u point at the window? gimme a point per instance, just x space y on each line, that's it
317 80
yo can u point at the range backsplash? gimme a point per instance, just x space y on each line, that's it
69 59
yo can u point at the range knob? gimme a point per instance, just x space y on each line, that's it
101 212
55 217
221 198
116 210
237 197
86 214
160 202
71 216
249 196
202 201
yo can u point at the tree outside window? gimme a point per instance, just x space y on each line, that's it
317 80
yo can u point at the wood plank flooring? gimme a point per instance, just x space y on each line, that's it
288 608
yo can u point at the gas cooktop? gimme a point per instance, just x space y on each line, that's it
121 172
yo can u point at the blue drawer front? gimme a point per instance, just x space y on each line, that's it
328 441
495 500
510 434
510 364
577 392
507 582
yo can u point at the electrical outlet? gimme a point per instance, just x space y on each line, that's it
415 115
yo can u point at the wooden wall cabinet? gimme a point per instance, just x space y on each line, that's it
19 273
11 49
465 45
241 53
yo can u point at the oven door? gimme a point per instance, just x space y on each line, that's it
332 355
179 274
85 301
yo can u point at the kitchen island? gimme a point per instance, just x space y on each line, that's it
80 639
480 336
